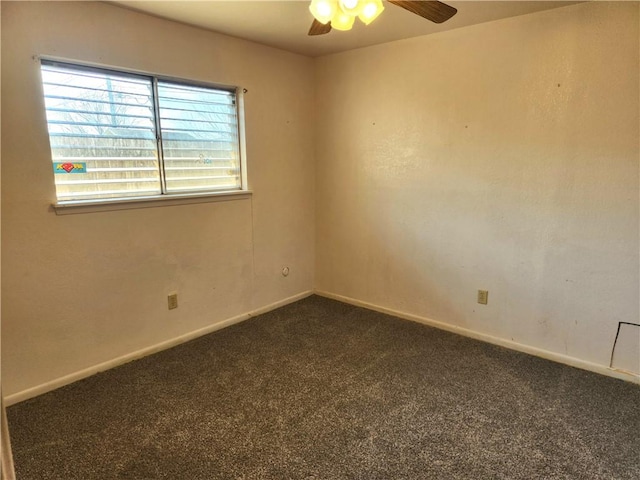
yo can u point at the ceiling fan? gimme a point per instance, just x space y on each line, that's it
341 14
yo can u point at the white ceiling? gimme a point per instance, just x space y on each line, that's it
284 23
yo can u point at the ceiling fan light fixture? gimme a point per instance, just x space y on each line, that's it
345 12
323 10
351 7
370 10
342 21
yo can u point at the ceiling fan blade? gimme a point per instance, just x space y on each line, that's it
437 12
318 28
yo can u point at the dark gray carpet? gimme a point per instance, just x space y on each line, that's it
323 390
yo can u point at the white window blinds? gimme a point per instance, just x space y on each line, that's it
119 135
199 138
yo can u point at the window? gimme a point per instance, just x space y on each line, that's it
118 135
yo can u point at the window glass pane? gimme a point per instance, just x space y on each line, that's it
199 138
102 133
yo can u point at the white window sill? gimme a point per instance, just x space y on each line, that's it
110 204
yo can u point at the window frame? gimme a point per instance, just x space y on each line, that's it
164 198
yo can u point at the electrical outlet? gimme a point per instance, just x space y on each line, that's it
483 296
172 301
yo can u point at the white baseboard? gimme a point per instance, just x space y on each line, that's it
87 372
538 352
101 367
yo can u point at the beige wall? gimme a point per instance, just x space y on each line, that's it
502 156
78 290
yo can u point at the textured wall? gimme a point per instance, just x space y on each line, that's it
78 290
502 156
